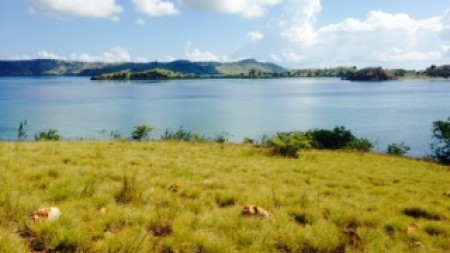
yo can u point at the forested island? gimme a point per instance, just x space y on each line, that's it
182 69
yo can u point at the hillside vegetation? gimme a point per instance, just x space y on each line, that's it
158 74
70 68
370 74
188 197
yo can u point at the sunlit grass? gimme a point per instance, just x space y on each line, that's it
188 197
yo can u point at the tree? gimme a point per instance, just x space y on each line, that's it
441 147
49 135
397 149
431 71
21 132
141 132
441 71
337 138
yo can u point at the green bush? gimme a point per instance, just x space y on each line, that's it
289 144
397 149
49 135
182 135
360 144
441 147
116 135
221 137
338 138
141 132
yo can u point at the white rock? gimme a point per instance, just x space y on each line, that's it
53 214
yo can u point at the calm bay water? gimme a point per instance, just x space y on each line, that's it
383 112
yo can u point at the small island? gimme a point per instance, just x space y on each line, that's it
157 74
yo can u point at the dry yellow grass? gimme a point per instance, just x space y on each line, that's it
188 197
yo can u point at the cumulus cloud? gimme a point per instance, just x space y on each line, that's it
255 36
47 55
301 16
246 8
140 21
19 57
116 54
168 58
141 59
197 55
156 8
76 8
392 40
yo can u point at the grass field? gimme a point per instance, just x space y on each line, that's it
188 197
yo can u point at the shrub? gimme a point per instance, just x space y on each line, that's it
21 132
49 135
116 135
221 137
338 138
141 132
441 147
248 140
129 191
288 144
182 135
397 149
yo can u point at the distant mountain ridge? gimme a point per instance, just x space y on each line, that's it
49 67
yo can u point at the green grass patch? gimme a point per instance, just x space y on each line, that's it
188 197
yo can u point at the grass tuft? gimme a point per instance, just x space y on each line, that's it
434 229
418 212
224 200
129 192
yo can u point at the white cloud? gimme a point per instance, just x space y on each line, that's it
19 57
246 8
116 54
275 58
77 8
47 55
140 21
168 58
301 16
386 39
141 59
156 8
255 36
197 55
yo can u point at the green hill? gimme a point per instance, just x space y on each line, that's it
189 197
65 68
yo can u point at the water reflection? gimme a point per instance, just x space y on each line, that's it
383 112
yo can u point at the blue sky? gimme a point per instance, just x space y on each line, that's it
292 33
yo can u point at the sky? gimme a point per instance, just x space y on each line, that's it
409 34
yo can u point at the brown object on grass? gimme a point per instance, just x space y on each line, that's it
49 214
251 210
